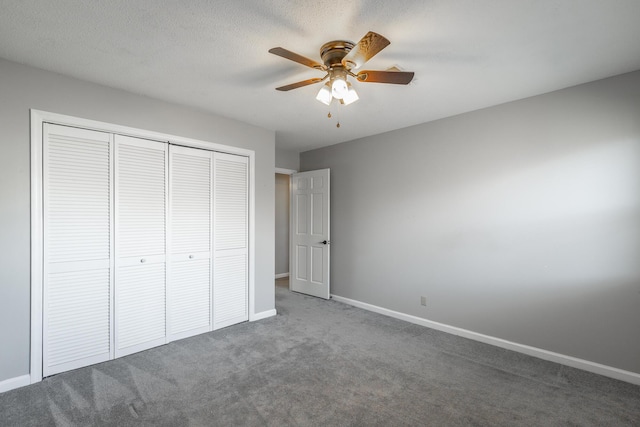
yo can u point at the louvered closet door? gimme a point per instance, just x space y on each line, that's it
189 284
77 248
230 236
141 202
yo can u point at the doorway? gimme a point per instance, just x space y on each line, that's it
302 234
282 225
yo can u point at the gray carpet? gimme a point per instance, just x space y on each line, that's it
322 363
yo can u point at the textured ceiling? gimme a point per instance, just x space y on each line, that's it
212 55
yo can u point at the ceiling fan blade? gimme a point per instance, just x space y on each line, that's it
367 48
296 58
299 84
394 77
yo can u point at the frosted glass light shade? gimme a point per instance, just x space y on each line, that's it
324 95
339 88
350 97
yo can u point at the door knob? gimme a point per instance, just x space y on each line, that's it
325 242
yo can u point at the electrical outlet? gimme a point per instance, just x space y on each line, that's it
423 301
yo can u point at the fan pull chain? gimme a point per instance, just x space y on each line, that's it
338 122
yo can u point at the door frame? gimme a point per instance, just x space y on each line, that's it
38 117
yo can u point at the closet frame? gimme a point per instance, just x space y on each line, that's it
38 119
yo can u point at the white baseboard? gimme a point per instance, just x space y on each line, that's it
281 275
597 368
263 315
16 382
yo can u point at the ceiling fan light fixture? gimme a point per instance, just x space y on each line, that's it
339 59
324 95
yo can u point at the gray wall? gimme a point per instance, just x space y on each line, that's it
287 159
22 88
520 221
282 223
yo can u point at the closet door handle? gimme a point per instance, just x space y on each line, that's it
190 256
143 260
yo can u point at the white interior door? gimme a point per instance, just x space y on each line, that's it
141 211
230 240
310 233
190 213
78 279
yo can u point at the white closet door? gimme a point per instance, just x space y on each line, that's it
230 237
77 320
141 205
189 284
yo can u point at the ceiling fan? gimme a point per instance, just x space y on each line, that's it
340 59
